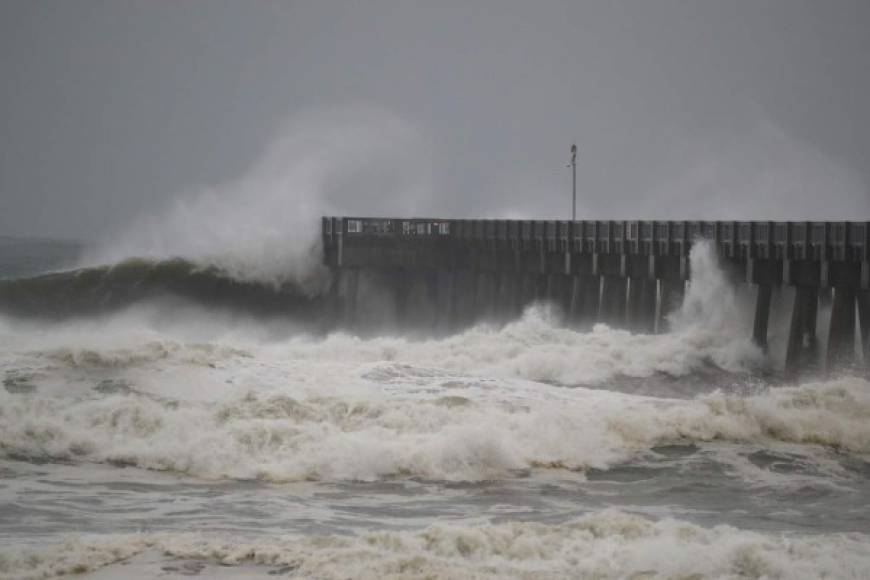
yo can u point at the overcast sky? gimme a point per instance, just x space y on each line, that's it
111 109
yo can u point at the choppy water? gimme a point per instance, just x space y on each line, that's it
166 441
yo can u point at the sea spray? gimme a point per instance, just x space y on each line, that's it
248 430
429 428
711 313
265 226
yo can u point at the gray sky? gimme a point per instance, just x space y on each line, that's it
109 110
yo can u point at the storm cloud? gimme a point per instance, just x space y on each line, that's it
112 112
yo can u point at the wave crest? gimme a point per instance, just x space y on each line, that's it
281 438
111 288
605 544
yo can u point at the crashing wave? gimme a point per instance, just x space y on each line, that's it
602 545
111 288
368 436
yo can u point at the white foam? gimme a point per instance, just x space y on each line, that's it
605 544
533 348
708 333
219 398
456 431
265 226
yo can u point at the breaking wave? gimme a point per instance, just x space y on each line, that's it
456 432
111 288
264 227
707 332
602 545
217 399
251 244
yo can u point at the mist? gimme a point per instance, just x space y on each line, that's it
197 380
160 121
265 225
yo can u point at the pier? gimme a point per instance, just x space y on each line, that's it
446 274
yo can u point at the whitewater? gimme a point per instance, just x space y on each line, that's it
174 438
173 405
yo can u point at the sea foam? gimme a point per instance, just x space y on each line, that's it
221 399
601 545
447 434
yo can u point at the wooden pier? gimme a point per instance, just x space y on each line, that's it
450 273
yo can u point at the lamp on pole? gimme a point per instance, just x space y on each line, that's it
574 182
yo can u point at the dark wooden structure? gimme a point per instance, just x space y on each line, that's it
626 273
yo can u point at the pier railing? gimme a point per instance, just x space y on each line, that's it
804 240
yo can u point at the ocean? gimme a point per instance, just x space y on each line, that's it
162 419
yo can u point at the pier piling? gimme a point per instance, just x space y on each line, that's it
841 337
762 315
802 349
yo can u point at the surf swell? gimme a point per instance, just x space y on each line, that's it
110 288
456 432
602 545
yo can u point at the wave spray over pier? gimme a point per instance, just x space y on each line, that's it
253 324
473 390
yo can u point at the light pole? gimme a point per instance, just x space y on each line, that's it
574 182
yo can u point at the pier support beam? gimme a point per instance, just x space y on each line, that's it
505 301
486 295
841 337
515 280
429 298
542 284
762 315
349 298
560 292
642 305
462 301
613 296
417 298
591 297
529 289
802 351
826 296
336 300
586 299
671 297
575 308
444 300
402 283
